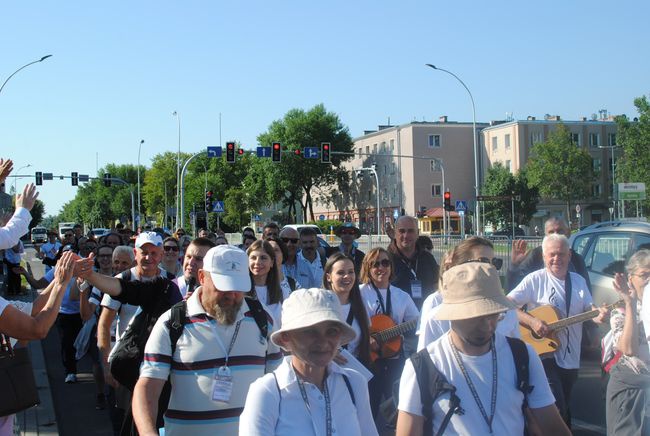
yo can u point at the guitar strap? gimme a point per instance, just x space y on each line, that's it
349 320
568 291
387 309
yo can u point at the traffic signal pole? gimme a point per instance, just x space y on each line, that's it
182 190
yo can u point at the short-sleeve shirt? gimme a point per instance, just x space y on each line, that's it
508 418
68 306
402 306
543 288
645 311
199 353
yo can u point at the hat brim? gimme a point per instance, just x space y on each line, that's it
231 284
473 308
309 320
357 232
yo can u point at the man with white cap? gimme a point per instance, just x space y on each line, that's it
310 394
480 364
221 350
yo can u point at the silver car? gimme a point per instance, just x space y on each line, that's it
606 247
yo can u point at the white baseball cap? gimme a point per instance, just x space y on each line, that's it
228 268
148 238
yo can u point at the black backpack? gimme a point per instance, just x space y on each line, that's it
433 383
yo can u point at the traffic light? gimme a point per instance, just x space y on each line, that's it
107 180
297 152
75 178
240 151
276 152
208 201
230 152
448 205
39 178
325 152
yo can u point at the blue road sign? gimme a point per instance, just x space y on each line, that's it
321 217
83 177
258 218
214 151
218 207
461 205
311 152
263 151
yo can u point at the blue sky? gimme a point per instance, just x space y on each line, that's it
119 70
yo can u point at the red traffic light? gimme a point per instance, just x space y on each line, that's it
276 146
240 151
297 152
447 195
231 145
326 146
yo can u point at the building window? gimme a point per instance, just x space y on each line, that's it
596 191
374 148
392 144
507 142
495 144
596 165
594 140
392 168
383 147
434 141
367 150
508 165
536 137
611 139
575 139
436 190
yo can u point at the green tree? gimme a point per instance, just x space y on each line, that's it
500 181
560 169
292 180
634 137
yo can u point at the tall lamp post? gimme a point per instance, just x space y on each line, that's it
178 167
139 147
24 66
476 181
16 178
612 147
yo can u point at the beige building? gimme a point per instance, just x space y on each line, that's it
510 143
410 179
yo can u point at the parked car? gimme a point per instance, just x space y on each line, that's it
508 232
99 232
39 235
606 247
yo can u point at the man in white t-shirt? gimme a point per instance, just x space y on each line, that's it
547 286
479 363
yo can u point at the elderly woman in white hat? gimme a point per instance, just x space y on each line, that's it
309 394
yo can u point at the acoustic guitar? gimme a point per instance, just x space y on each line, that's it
552 317
388 335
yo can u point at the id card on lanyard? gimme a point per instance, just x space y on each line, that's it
416 288
222 383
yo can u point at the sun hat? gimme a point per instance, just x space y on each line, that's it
471 290
228 268
308 307
148 238
348 226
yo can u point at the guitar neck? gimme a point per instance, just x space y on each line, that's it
393 332
566 322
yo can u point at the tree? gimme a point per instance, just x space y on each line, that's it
292 180
560 169
634 137
500 181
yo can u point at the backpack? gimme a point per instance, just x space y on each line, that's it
433 383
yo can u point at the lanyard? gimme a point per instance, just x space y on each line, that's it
407 262
493 400
387 309
232 341
328 406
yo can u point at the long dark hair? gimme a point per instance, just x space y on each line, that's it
356 305
274 291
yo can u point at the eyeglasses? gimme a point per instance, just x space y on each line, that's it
348 232
170 248
644 276
495 261
384 262
68 235
292 240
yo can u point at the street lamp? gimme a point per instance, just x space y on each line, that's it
613 208
178 166
373 170
476 181
24 66
17 177
139 147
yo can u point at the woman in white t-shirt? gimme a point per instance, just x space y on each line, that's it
474 249
628 389
339 276
383 300
264 278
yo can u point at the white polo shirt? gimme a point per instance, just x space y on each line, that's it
197 357
280 409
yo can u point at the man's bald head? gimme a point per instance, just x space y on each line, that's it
556 225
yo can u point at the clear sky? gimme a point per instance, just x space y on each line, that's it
119 70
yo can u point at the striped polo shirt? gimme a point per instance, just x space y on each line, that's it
196 359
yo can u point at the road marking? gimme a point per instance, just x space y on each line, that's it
576 424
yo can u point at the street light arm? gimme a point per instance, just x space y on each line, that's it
21 68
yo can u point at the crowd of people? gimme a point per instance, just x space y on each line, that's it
280 336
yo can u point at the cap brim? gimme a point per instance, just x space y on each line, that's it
473 309
347 333
231 284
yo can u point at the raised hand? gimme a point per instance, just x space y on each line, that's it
84 266
65 267
6 166
621 287
519 251
28 197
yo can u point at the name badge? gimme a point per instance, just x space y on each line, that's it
222 388
416 289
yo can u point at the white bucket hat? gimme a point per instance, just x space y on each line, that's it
308 307
228 268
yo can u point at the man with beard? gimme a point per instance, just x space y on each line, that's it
220 352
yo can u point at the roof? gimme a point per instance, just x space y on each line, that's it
436 212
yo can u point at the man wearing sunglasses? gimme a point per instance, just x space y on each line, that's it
348 234
293 266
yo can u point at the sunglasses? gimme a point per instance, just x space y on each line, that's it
496 262
384 262
348 232
292 240
68 235
170 248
